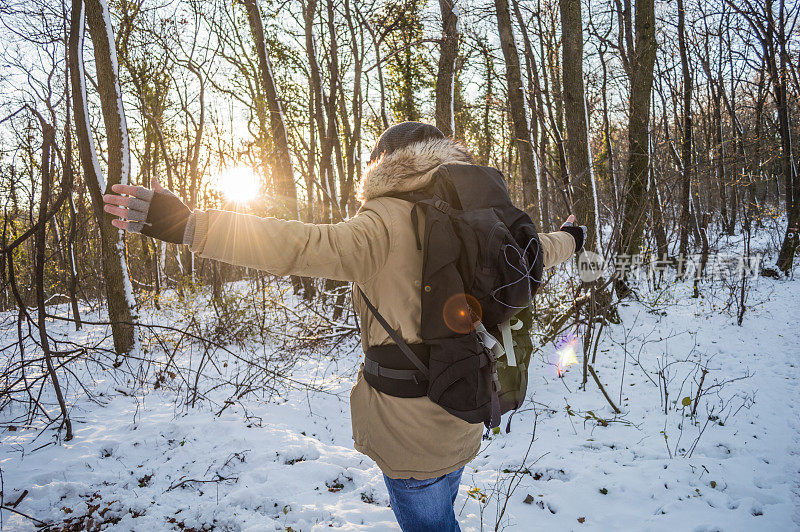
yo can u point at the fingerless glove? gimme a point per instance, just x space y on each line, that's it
159 214
578 232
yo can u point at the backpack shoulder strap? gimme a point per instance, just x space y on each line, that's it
414 196
394 336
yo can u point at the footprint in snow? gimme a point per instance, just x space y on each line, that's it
550 474
295 453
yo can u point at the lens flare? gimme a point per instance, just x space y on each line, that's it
239 184
566 353
461 313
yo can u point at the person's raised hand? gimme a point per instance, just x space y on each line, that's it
154 211
578 232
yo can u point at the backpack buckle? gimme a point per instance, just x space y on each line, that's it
443 206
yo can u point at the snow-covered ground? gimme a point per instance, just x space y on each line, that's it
139 462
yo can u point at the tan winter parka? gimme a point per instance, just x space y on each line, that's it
376 250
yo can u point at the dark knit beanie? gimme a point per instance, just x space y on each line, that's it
401 135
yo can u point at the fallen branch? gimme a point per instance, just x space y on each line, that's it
697 395
19 499
201 481
26 516
602 389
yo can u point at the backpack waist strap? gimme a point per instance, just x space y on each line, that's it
388 370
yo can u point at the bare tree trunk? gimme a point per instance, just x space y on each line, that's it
445 80
72 282
326 143
686 142
348 155
331 108
376 42
119 292
518 108
537 118
69 182
612 174
311 189
658 225
281 162
635 209
741 176
194 161
485 147
584 198
780 73
282 174
41 240
564 185
719 156
353 153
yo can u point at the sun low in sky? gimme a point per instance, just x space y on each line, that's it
239 184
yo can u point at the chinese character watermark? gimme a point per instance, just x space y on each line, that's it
634 267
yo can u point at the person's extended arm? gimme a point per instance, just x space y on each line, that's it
349 251
559 246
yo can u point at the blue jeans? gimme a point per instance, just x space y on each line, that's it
425 505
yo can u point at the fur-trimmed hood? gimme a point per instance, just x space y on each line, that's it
409 168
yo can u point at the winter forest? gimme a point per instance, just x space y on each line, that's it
145 388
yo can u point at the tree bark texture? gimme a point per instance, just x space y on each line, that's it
282 174
445 80
518 110
578 154
117 284
635 208
686 141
